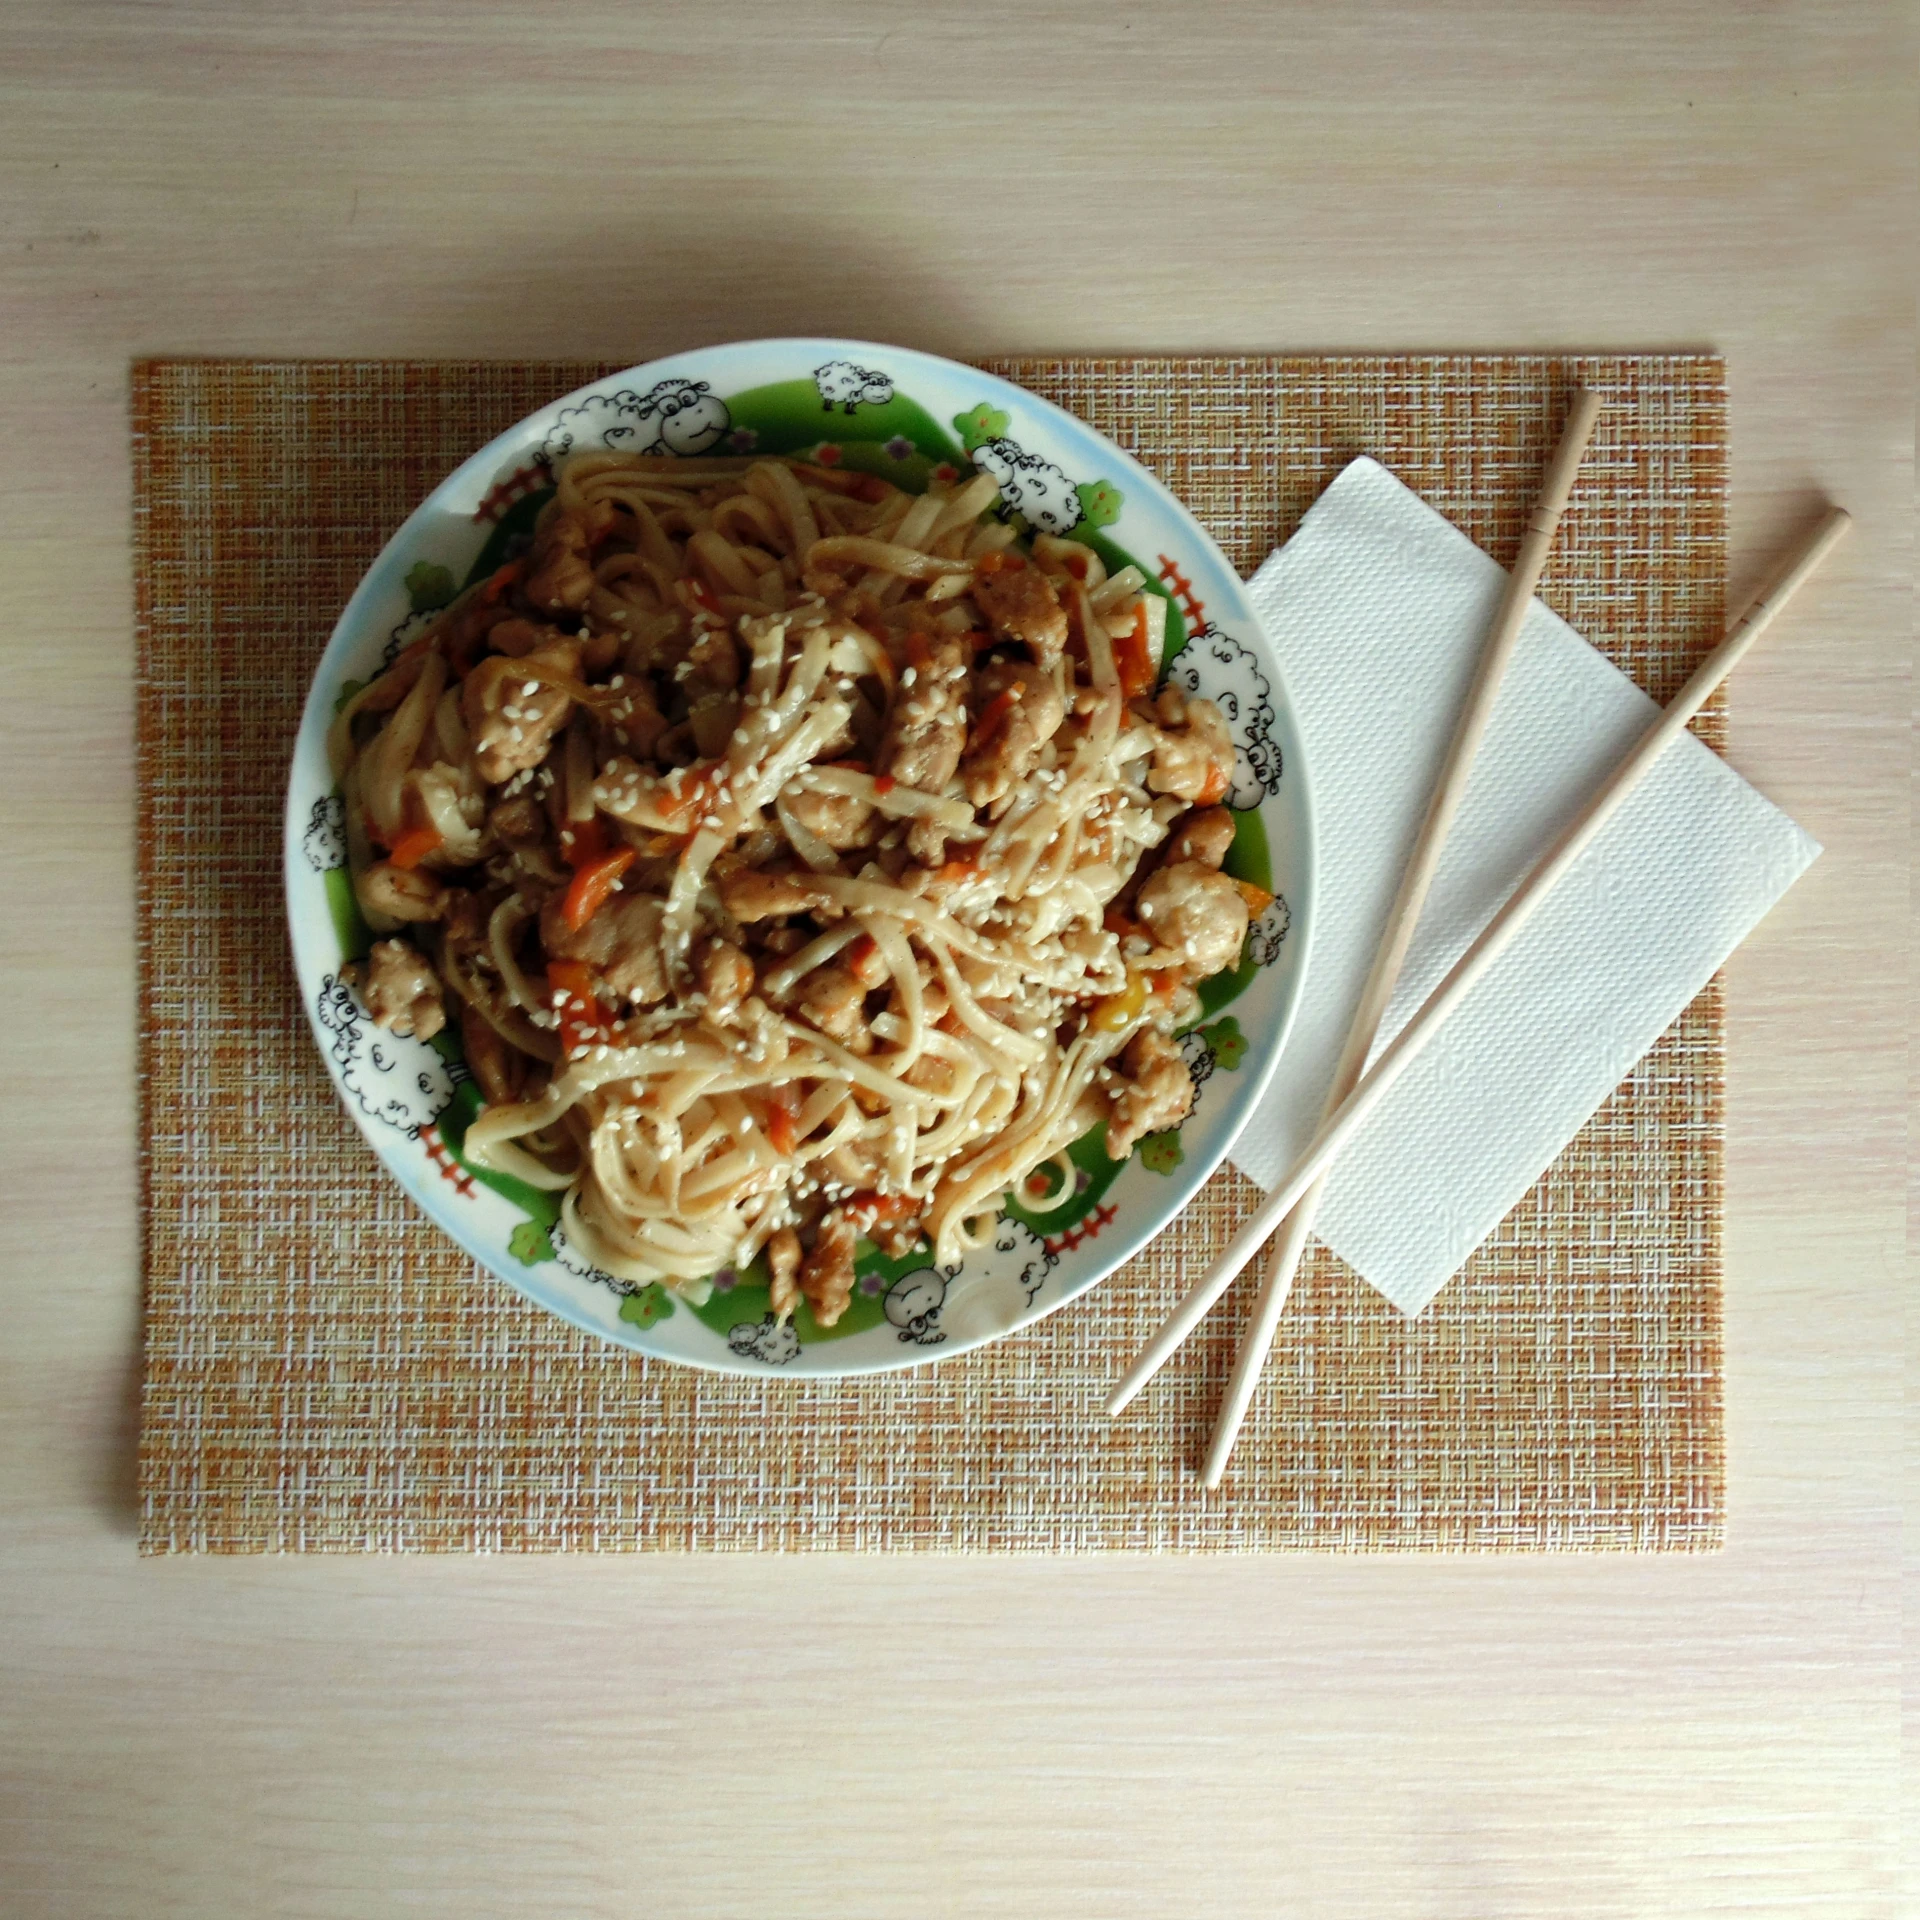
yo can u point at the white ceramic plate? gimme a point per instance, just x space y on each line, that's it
907 416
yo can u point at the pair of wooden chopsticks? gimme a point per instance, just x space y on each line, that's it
1354 1094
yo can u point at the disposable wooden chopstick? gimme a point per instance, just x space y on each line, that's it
1493 941
1404 915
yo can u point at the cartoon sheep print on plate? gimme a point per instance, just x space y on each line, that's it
770 1341
1219 667
990 1293
391 1077
926 1307
1034 488
673 416
1040 493
848 387
913 1305
325 840
1268 934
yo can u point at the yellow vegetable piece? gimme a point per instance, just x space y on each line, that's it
1120 1009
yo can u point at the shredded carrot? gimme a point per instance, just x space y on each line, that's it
502 579
957 871
592 883
571 977
582 843
1214 791
871 1206
993 716
1134 657
582 1023
884 783
462 654
780 1128
414 845
692 792
1258 899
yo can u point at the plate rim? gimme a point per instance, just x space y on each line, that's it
1183 1189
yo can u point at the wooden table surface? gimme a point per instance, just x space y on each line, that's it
1377 1737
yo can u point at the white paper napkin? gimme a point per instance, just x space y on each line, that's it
1378 609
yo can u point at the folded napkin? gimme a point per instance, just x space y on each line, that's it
1378 609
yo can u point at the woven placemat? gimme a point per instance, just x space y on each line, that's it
325 1371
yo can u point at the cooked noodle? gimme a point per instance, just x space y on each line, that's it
794 851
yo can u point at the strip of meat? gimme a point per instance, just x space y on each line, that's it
621 942
1198 912
783 1263
513 717
1155 1091
1193 749
827 1276
403 992
1203 835
1020 710
560 576
1020 604
927 727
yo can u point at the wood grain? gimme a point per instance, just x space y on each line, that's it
863 1737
